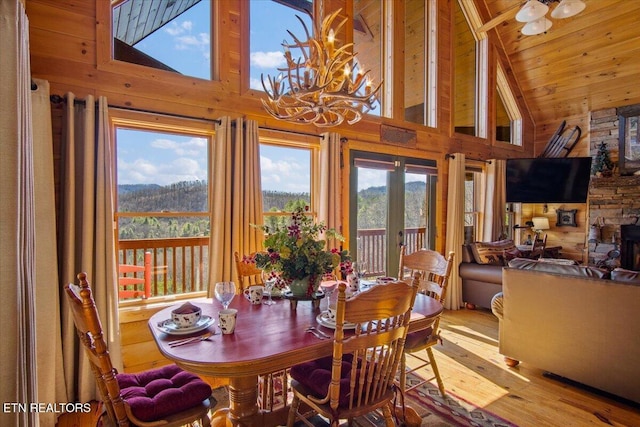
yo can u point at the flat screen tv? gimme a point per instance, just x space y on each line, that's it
548 180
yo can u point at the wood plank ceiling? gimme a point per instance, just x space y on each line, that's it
584 63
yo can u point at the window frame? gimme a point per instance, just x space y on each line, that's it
106 62
151 122
503 90
301 142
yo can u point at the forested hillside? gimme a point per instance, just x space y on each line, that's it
191 197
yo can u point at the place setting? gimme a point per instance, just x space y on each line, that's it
185 320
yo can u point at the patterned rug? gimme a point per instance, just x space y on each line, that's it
434 410
450 410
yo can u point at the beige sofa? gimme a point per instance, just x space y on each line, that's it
570 321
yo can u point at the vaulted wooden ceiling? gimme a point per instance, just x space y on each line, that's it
584 63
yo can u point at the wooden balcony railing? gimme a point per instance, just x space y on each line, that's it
180 265
373 247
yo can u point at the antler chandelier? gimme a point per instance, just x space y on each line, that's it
325 86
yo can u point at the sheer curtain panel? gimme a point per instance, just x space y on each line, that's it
236 199
330 207
455 226
494 200
18 371
87 232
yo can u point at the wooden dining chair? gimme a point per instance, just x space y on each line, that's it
359 378
130 276
537 247
248 273
434 271
166 396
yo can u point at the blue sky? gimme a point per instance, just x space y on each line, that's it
184 44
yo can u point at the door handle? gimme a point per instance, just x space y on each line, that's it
400 238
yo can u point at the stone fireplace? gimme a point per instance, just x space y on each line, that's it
630 247
614 202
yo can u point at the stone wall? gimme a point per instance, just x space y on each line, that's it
615 200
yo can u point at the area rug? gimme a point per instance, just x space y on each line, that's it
434 410
452 410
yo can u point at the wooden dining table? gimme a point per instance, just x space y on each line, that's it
267 338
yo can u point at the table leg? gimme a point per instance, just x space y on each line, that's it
243 401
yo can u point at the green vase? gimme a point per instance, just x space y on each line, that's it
299 287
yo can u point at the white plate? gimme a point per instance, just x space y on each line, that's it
169 327
323 319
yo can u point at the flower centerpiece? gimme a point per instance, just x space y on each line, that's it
298 255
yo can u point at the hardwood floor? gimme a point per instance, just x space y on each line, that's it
472 368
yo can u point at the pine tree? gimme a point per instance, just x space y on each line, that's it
602 163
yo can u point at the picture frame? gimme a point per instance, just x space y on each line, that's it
629 155
566 218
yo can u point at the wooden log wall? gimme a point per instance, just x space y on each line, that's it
70 47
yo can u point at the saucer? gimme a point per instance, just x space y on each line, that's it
169 327
323 319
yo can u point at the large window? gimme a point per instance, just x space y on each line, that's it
508 116
420 60
472 200
163 204
465 89
167 35
269 23
287 176
369 43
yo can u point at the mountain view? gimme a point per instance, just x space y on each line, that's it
191 197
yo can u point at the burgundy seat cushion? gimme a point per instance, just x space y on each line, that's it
316 376
157 393
418 338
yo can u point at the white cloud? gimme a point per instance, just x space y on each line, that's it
283 175
257 84
267 59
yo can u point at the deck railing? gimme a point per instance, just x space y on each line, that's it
373 247
180 265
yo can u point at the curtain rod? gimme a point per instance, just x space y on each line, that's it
57 99
451 156
293 132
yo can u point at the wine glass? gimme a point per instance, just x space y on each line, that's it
269 281
360 268
225 292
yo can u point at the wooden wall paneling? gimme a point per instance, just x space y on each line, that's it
445 67
572 239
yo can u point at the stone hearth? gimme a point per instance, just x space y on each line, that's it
613 201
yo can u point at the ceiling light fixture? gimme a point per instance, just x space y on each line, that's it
326 85
533 13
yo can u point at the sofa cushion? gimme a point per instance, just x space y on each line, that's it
623 275
575 270
509 254
467 253
157 393
491 252
481 273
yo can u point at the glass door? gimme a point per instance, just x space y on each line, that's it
392 203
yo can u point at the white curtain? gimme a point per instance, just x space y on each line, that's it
455 227
87 233
247 189
18 372
236 196
330 206
494 200
51 385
